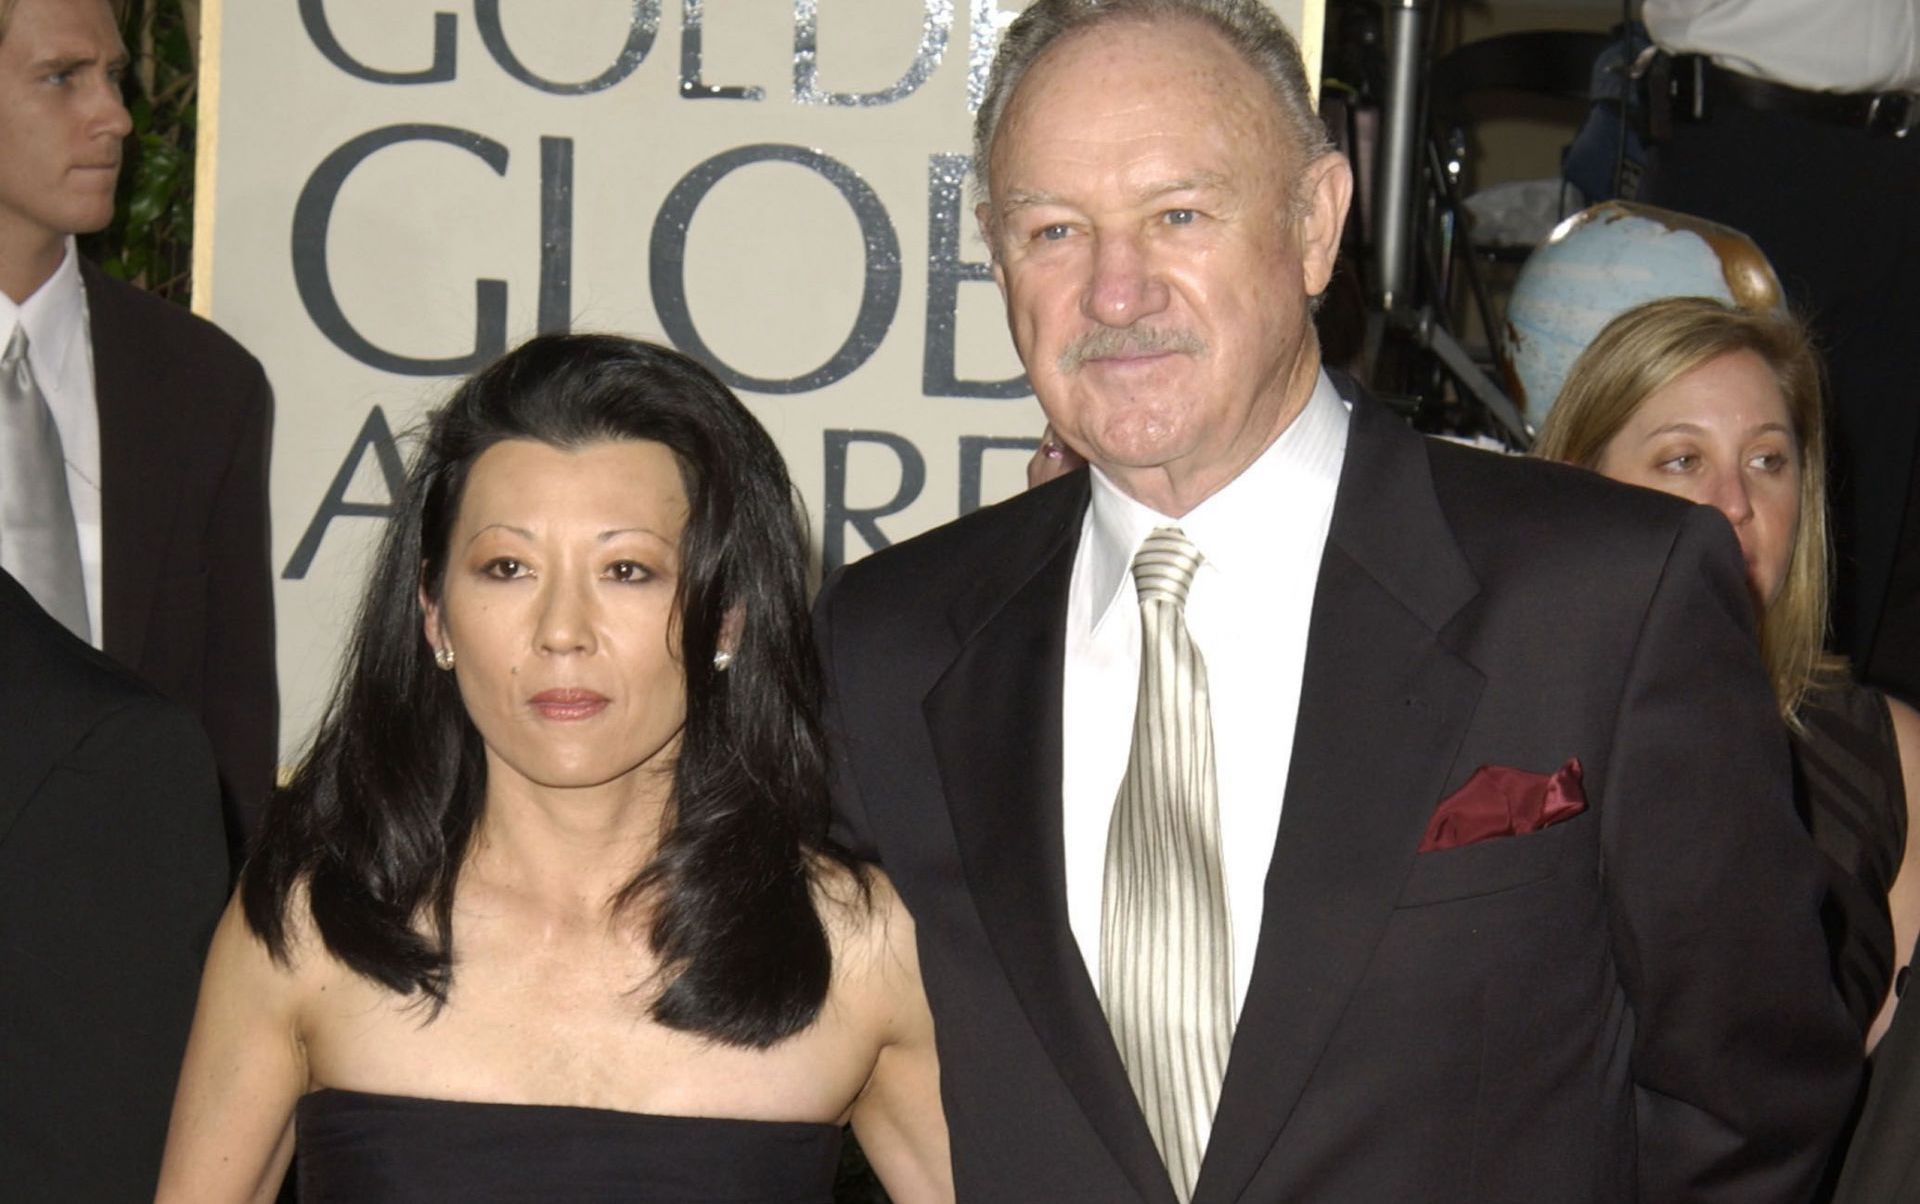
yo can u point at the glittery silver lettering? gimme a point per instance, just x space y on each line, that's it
988 24
806 58
641 28
556 235
692 86
947 271
879 297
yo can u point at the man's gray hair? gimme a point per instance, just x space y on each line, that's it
1253 30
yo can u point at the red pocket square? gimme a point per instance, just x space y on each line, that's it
1498 801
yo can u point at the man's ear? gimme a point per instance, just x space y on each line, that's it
1327 191
983 216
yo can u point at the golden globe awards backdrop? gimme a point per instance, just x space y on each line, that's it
393 192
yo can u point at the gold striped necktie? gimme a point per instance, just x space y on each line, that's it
1166 937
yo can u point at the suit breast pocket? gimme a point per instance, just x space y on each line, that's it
1492 866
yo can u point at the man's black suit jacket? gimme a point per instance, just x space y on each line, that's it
1633 1004
113 870
185 422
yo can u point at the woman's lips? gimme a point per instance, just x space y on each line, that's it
568 705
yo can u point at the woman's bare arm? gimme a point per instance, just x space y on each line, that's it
232 1131
898 1117
1904 898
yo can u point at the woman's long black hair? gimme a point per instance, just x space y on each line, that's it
377 820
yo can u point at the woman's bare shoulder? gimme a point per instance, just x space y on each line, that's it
299 969
1906 730
870 929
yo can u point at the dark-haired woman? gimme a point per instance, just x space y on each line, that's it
549 911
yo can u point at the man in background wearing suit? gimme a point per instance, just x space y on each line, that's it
160 421
1292 808
113 870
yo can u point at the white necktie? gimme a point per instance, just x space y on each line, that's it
1166 939
38 542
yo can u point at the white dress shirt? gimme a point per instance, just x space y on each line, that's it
61 355
1261 539
1818 45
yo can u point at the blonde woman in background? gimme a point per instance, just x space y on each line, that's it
1722 406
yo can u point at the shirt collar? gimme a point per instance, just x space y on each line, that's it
54 315
1235 529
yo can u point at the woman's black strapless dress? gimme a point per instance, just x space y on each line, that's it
1852 795
357 1148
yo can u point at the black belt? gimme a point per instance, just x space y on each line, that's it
1694 84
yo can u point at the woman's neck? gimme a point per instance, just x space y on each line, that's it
567 850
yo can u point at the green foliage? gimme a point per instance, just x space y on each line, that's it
151 239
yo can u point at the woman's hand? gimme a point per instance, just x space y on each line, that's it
1052 459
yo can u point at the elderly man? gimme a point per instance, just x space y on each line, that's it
1293 808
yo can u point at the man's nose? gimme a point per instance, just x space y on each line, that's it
1126 284
110 115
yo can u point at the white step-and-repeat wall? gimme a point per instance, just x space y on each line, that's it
393 192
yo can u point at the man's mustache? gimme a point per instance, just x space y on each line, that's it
1105 342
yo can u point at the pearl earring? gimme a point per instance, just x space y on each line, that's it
443 657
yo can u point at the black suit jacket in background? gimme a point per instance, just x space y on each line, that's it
1634 1004
1883 1158
113 871
185 425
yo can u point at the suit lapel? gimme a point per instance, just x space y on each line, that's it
1383 708
999 763
137 488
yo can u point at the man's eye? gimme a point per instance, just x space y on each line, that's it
1053 233
629 570
1181 217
